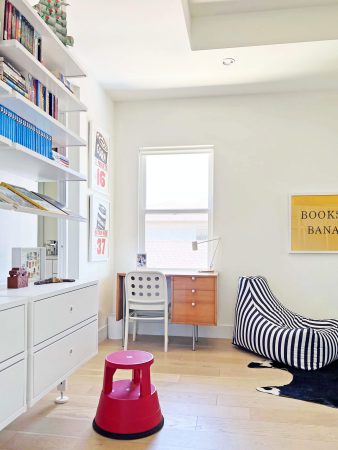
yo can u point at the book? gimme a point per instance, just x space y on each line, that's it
58 205
12 198
34 199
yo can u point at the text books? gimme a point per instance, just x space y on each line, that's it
17 27
21 131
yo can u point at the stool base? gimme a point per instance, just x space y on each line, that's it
126 437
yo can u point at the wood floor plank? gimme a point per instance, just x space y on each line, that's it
208 398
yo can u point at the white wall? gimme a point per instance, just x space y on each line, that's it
101 111
266 147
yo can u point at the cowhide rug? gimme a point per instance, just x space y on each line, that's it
318 386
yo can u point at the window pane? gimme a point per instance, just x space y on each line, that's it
177 181
169 237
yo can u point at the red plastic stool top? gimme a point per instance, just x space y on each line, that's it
128 409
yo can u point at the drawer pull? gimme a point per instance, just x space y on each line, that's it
71 308
193 304
193 278
70 351
193 291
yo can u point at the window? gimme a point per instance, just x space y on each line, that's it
175 205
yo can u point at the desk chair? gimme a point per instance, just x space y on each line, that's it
146 299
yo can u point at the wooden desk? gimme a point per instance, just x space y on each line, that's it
193 298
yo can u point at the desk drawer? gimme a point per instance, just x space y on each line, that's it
201 283
56 360
12 332
194 313
56 314
12 390
193 295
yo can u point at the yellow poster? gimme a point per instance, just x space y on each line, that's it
314 223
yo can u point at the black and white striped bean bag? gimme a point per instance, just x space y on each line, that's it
264 326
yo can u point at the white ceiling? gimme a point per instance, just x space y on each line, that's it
212 7
141 49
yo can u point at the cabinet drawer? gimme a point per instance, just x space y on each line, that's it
56 314
56 360
12 390
12 332
201 314
193 295
195 282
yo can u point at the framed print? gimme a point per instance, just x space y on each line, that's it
99 158
99 228
314 223
33 260
141 260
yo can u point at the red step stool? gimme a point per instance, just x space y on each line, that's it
128 409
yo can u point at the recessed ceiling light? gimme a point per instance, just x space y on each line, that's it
228 61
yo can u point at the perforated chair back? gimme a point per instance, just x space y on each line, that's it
146 290
146 299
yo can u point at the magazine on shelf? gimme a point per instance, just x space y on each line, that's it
12 198
58 205
34 199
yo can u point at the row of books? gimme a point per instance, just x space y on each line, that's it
16 26
40 96
17 197
24 133
11 76
60 159
29 87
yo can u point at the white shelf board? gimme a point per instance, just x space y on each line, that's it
25 62
26 163
56 55
40 212
62 136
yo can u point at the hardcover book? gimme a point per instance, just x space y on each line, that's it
32 198
58 205
12 198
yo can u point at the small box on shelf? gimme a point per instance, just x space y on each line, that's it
18 278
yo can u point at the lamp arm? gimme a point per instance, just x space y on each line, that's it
208 240
213 256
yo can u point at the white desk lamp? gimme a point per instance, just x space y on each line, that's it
195 245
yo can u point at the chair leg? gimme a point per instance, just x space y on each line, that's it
135 330
126 330
166 331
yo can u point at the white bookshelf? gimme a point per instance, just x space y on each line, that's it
24 61
40 212
62 136
16 159
26 163
56 56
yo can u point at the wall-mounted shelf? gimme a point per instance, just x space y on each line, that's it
40 212
26 163
25 62
62 136
56 56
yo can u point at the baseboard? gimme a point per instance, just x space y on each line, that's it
103 333
221 331
156 329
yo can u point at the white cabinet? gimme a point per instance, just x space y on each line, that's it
62 334
13 358
55 362
42 348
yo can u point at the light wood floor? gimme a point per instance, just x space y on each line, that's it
208 399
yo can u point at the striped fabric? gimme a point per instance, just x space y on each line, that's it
264 326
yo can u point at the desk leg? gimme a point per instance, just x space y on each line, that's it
196 333
193 338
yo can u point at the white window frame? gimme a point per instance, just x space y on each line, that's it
142 211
